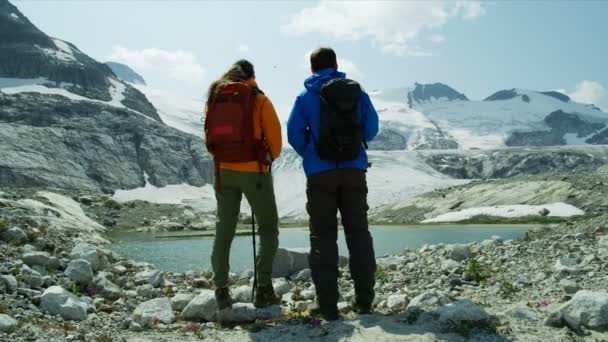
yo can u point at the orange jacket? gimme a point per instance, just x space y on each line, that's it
265 120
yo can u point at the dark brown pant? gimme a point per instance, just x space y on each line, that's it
344 190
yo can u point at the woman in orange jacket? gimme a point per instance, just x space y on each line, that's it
252 179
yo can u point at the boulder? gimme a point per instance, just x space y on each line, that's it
153 312
450 266
14 235
458 252
86 252
7 324
8 284
586 309
566 266
152 277
396 302
31 277
106 288
80 271
180 300
147 291
242 294
36 258
289 261
303 275
603 241
461 312
202 308
57 301
429 300
281 286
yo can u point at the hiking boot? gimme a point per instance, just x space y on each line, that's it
222 298
265 296
327 314
362 309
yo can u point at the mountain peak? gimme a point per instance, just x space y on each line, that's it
125 73
423 93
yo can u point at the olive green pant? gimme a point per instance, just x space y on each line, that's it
259 191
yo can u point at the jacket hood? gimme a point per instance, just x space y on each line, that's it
316 81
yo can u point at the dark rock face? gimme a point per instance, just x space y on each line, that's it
511 163
502 95
557 95
599 139
28 53
427 92
50 141
560 123
536 138
125 73
388 140
571 123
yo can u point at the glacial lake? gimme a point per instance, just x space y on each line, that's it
187 253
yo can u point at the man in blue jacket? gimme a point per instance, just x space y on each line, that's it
331 137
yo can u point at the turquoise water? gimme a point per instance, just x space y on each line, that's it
193 253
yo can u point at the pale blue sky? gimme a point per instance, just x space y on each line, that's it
477 48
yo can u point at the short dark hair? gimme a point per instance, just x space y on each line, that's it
323 58
247 68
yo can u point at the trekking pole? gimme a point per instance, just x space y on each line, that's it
255 269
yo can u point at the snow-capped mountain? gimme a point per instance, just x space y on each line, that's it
436 116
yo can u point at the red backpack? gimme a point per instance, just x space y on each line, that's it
229 127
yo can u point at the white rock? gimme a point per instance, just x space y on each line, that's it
8 284
309 294
152 277
7 324
147 291
566 265
242 294
180 300
202 308
458 252
586 309
429 300
119 269
106 288
450 266
57 301
87 252
281 286
154 311
31 277
396 302
80 271
36 258
303 275
603 241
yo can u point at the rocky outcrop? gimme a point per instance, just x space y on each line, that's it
536 138
510 163
428 92
388 140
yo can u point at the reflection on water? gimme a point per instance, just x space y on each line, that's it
193 253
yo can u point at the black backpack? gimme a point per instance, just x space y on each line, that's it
340 131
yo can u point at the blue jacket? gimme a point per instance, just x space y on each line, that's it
305 117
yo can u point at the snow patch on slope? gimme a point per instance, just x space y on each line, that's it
63 53
176 111
509 211
14 16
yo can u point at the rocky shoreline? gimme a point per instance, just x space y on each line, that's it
58 282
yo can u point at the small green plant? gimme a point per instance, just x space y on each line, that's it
3 225
507 290
466 328
381 274
76 290
476 272
103 338
4 309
